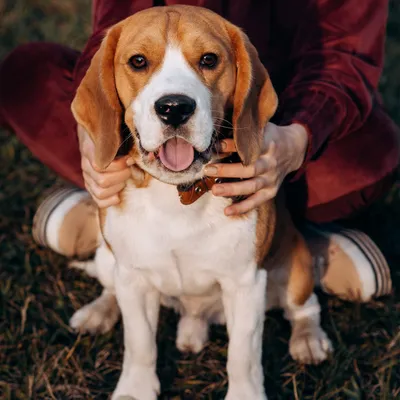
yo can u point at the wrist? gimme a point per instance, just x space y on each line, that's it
298 143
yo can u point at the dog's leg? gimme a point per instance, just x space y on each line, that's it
197 312
244 304
102 314
293 286
139 302
192 334
309 343
99 316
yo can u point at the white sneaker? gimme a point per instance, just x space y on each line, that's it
347 262
67 222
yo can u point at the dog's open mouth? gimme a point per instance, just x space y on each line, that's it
177 154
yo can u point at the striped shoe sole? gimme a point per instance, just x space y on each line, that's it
370 251
46 209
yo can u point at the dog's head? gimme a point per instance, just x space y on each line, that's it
172 75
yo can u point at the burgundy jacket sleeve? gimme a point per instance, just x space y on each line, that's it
336 61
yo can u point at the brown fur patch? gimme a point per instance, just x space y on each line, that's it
102 220
284 247
96 104
301 279
255 100
265 230
139 183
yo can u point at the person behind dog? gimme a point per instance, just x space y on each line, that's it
331 143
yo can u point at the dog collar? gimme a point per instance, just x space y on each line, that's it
189 194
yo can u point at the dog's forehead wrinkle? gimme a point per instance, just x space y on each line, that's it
173 18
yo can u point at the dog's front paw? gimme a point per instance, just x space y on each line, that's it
241 392
137 383
310 346
99 316
192 334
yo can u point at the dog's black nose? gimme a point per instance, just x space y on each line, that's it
175 109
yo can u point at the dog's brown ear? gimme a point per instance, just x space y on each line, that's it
254 99
96 105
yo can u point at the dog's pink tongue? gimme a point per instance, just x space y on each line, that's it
176 154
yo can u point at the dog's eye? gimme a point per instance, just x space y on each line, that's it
208 60
138 62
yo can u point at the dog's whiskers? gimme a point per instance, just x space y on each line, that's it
125 140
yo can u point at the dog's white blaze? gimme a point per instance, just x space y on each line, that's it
174 77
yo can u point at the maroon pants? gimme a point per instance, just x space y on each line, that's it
37 87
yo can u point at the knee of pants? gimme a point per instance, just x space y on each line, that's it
352 204
25 75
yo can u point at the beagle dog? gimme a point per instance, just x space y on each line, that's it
163 80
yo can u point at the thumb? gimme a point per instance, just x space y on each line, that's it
270 138
271 147
86 145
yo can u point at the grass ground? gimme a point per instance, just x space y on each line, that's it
41 358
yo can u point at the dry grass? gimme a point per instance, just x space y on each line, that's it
41 358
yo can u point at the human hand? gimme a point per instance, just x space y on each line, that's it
104 185
283 152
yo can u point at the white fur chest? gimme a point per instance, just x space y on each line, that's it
182 249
